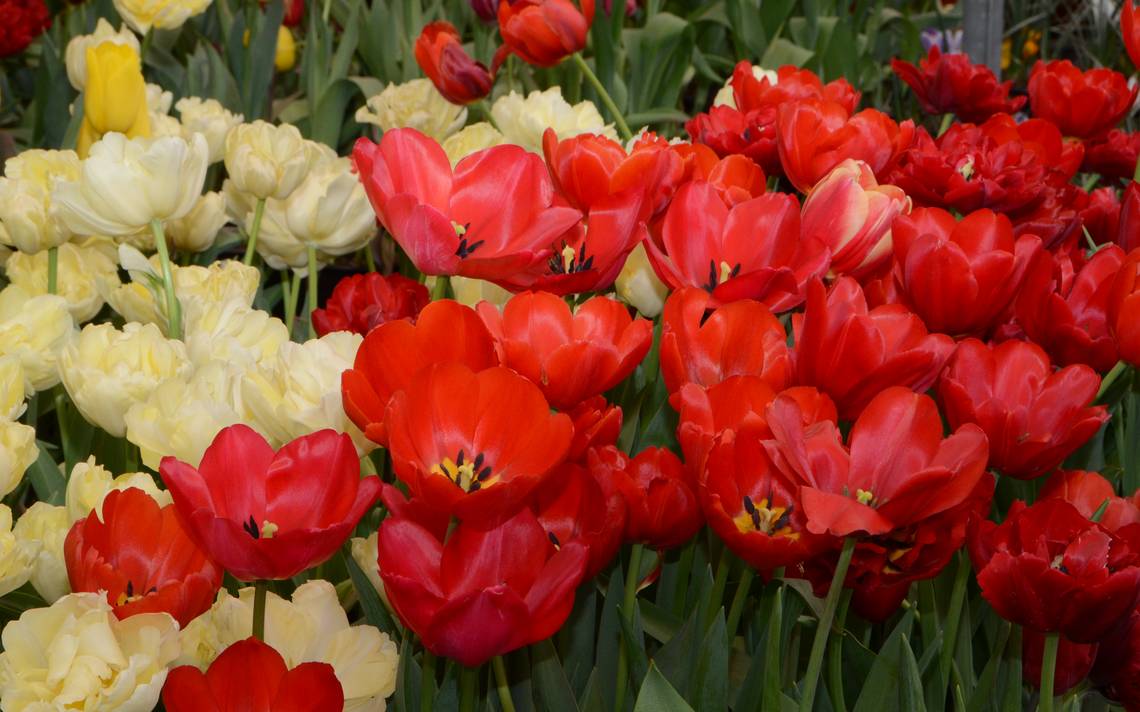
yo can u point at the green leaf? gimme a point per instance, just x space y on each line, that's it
609 637
634 638
983 694
47 480
880 693
554 691
781 52
657 695
675 658
407 697
910 684
577 639
374 611
710 681
660 55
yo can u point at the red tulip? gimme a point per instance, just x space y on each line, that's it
571 356
262 514
440 54
792 84
960 277
1124 309
730 131
815 136
737 339
23 22
1130 29
1100 215
853 354
1050 569
394 352
1128 230
294 13
544 32
1117 668
1082 104
1034 418
850 213
953 84
485 592
140 556
574 506
1074 660
361 302
1091 493
1066 313
596 424
458 222
1056 218
752 250
660 495
250 676
754 506
1113 156
897 472
474 444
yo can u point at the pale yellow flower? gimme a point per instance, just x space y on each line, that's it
197 229
17 453
86 271
365 552
416 104
233 333
106 371
523 121
115 95
76 54
162 14
30 223
209 118
44 527
638 285
90 483
35 330
76 655
470 291
472 138
311 628
16 557
267 161
12 388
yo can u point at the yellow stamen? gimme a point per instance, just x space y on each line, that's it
460 230
568 255
864 496
268 529
725 272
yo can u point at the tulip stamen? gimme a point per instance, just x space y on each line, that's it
465 249
766 519
571 261
469 475
265 531
129 596
863 496
554 540
717 278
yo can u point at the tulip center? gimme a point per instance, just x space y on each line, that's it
966 168
863 496
129 595
465 248
571 261
726 273
766 518
468 475
266 531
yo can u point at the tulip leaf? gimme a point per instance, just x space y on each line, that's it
659 54
781 52
657 695
746 19
880 691
374 611
983 694
591 697
76 434
550 682
407 697
45 476
660 624
634 640
577 639
609 635
910 683
675 658
709 690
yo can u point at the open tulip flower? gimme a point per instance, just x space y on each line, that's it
262 514
575 505
953 84
485 591
139 554
789 84
440 54
571 356
1081 104
455 222
251 676
1050 569
362 302
1088 492
474 444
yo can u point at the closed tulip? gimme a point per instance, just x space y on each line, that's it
361 302
440 54
114 97
1124 309
267 161
544 32
142 15
1082 104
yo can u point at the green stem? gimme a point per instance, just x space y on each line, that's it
1109 378
53 270
260 589
835 656
468 684
632 579
289 289
736 610
822 633
501 684
173 309
1048 671
369 260
1136 172
947 119
251 246
427 682
311 252
953 617
623 127
439 287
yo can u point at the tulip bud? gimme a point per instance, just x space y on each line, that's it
285 55
76 53
639 286
162 14
115 95
197 229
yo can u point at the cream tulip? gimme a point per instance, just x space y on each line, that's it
76 655
209 118
312 627
142 15
196 230
35 330
267 161
639 286
106 371
26 198
233 333
16 557
12 388
365 551
44 527
416 104
17 453
472 138
75 56
89 484
86 271
124 184
523 121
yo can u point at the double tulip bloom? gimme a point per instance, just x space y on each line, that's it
953 84
1081 104
361 302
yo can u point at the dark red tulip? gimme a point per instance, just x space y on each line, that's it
1128 229
1074 660
138 554
1082 104
1091 493
262 514
361 302
1067 314
737 339
250 676
1034 417
394 352
852 353
440 54
573 505
23 22
544 32
1113 156
960 277
1101 215
1124 309
730 131
485 592
1117 668
953 84
570 355
1050 569
1130 29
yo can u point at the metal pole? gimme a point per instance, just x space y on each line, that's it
982 29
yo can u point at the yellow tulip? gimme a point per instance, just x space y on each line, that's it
286 55
115 96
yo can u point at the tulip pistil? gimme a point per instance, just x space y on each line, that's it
863 496
265 531
766 518
468 475
572 261
129 596
726 273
